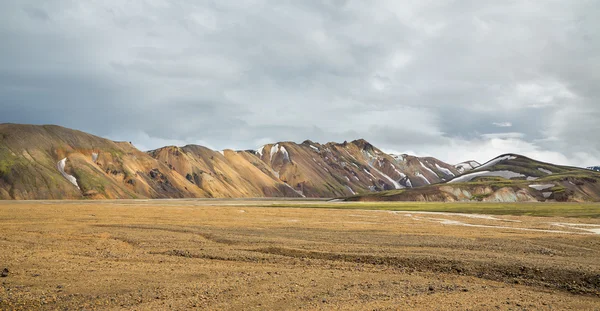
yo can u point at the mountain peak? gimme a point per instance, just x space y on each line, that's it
363 144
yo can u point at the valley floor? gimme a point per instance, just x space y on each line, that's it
277 255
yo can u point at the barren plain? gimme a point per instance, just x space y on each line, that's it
280 255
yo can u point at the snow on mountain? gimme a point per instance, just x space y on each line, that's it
471 176
497 160
549 172
427 169
466 166
541 186
61 168
422 177
259 151
274 150
444 170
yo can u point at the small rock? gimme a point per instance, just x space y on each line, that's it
4 273
431 288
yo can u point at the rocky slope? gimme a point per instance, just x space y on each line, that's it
507 178
52 162
308 169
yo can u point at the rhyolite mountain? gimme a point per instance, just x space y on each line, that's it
507 178
53 162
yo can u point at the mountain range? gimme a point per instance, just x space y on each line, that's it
506 178
53 162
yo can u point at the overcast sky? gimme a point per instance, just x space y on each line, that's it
457 80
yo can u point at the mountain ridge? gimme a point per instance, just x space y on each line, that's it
53 162
506 178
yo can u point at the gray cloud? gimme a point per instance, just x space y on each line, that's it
435 78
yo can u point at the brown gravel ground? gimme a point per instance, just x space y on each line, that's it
175 255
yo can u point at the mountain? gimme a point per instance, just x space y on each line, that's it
507 178
52 162
308 169
594 168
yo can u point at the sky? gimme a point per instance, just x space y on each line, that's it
457 80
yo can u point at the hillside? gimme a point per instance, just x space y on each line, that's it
507 178
52 162
308 169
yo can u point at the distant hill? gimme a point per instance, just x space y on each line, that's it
594 168
53 162
507 178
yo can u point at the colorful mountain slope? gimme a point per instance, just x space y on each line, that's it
507 178
52 162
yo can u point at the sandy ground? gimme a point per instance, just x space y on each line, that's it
231 255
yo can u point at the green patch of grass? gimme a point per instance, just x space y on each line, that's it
7 161
577 210
557 189
116 154
89 181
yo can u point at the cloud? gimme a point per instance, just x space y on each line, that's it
503 135
438 78
502 124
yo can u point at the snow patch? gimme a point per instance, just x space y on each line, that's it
444 170
94 156
61 168
466 166
274 150
402 175
427 168
297 191
474 164
408 183
497 160
364 169
314 148
422 177
541 187
351 191
260 151
546 194
286 155
395 183
545 170
397 157
503 174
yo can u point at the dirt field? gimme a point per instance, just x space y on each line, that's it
221 255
